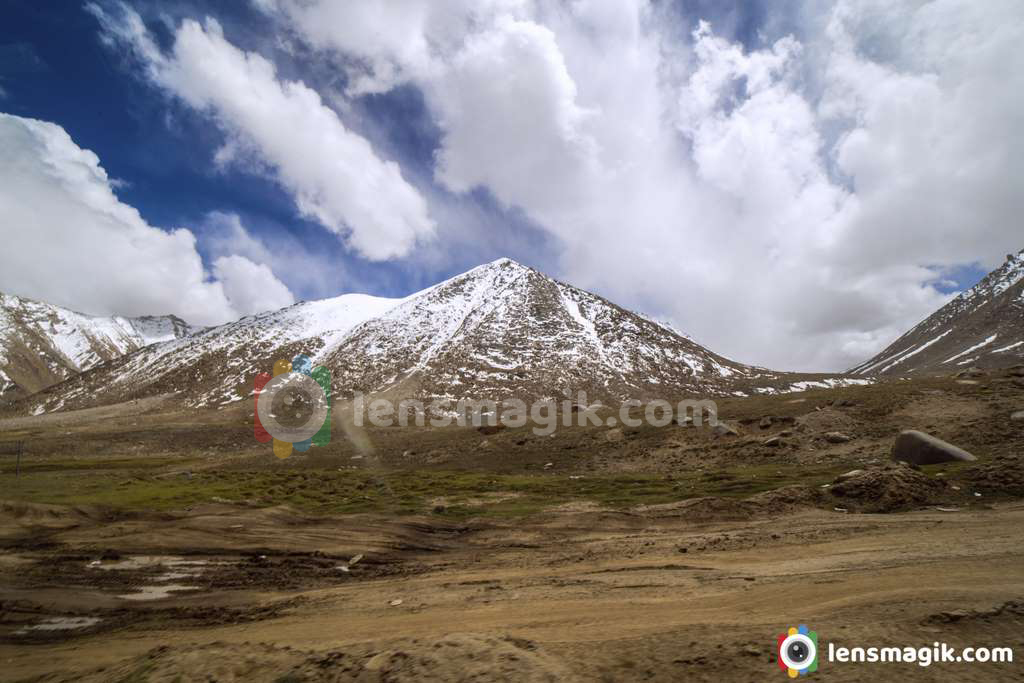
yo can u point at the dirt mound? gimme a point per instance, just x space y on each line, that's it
888 488
787 498
456 657
1011 609
1004 475
703 509
714 508
827 420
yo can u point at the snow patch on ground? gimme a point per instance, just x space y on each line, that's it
972 349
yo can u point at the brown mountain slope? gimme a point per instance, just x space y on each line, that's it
983 327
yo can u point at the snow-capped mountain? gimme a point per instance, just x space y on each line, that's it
501 330
982 327
42 344
217 365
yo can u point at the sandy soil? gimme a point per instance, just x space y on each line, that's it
589 594
140 545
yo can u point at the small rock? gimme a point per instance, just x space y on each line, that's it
1016 371
766 422
955 615
918 448
1019 415
721 429
837 437
683 420
773 442
396 602
491 429
408 454
549 465
970 372
355 560
843 403
751 651
377 662
847 475
614 435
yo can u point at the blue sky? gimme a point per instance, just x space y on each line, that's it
54 67
672 157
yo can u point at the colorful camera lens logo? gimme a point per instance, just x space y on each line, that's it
293 406
798 651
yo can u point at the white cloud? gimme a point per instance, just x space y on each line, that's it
516 68
222 234
68 240
251 287
333 174
789 205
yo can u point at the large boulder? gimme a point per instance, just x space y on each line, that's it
918 448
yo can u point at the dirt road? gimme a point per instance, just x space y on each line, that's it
577 593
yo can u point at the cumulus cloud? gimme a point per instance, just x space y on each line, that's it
251 286
68 240
223 234
790 205
333 173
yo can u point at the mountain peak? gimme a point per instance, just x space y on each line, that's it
42 344
503 262
500 330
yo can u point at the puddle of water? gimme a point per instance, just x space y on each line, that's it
60 624
144 561
137 562
157 592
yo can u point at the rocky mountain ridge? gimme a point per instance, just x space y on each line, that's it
498 331
983 327
42 344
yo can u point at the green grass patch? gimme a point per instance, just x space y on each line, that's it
398 492
29 464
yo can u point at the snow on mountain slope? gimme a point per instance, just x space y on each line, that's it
42 344
504 330
499 331
983 326
217 365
